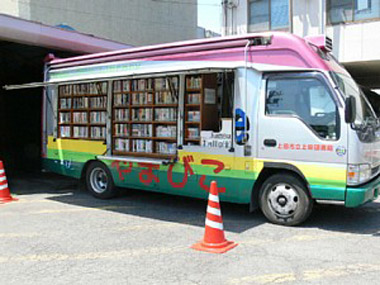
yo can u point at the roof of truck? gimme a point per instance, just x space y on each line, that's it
275 48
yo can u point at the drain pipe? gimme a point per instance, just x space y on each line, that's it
291 16
322 5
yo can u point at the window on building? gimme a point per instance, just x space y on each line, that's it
268 15
305 98
342 11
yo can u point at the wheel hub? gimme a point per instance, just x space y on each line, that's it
283 200
99 180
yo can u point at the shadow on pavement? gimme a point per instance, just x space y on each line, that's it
145 204
361 220
170 208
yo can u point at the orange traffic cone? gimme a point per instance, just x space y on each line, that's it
5 195
214 240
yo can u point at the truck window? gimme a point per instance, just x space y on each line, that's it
307 99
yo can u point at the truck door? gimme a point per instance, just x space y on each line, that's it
299 124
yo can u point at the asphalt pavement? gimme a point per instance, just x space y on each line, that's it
56 233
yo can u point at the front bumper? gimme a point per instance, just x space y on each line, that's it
356 196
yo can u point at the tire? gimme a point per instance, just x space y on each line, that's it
284 200
99 181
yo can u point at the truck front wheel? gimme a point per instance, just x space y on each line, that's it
284 200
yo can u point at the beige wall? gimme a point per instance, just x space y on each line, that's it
306 18
135 22
9 7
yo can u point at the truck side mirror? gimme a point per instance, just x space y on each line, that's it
350 111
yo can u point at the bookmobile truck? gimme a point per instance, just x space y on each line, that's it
273 118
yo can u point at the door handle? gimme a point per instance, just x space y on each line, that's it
270 142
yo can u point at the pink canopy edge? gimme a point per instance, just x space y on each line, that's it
285 49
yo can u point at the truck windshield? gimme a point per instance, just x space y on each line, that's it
364 112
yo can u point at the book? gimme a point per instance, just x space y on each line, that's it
80 117
121 144
193 82
98 132
144 98
65 131
142 130
80 132
193 133
142 146
98 102
166 148
194 98
142 114
166 131
80 103
65 103
165 97
122 129
166 114
98 117
121 100
194 116
64 117
121 115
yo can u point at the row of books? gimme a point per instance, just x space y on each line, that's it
98 102
142 130
142 146
80 117
142 84
194 116
80 103
99 88
162 83
121 100
121 86
98 132
143 98
166 131
121 115
192 133
165 114
65 103
80 132
193 82
122 129
64 117
142 114
121 145
98 117
65 131
166 148
194 98
165 97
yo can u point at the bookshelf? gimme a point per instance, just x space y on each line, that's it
144 117
200 99
82 111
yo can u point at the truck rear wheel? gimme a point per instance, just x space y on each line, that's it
99 181
284 200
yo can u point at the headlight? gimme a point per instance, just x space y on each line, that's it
358 173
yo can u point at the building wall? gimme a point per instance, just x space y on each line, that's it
136 22
9 7
306 18
358 41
